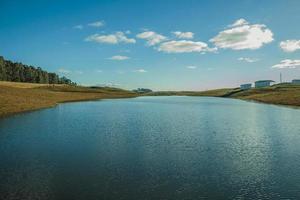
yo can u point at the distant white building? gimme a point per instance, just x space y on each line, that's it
263 83
296 81
246 86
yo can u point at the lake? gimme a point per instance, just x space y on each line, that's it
152 148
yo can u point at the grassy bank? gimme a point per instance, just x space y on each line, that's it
21 97
212 93
280 94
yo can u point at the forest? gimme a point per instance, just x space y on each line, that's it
18 72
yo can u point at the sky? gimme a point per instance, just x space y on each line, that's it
162 45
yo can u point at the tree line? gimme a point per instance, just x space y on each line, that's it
18 72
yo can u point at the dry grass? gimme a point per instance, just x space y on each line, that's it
281 94
21 97
284 94
23 85
212 93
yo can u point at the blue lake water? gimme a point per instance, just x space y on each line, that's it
152 148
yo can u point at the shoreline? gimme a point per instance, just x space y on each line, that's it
18 98
6 115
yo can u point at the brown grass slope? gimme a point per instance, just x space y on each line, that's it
212 93
21 97
282 94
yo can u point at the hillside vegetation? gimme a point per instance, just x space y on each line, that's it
21 97
18 72
282 94
212 93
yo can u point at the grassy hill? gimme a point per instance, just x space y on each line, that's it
282 94
213 93
20 97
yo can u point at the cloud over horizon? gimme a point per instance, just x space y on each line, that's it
239 22
242 35
140 71
290 45
64 71
191 67
96 24
183 35
151 37
116 38
287 64
79 26
119 57
184 46
249 60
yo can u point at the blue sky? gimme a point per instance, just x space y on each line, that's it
163 45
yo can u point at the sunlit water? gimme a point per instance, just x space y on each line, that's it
152 148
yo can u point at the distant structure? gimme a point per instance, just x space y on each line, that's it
263 83
280 78
296 81
246 86
142 90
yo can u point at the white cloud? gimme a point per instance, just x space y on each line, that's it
191 67
64 71
242 35
152 38
183 35
140 71
99 71
249 60
118 57
239 22
79 26
108 85
287 64
96 24
290 45
118 37
110 39
184 46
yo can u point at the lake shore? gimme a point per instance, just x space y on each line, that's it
280 94
22 97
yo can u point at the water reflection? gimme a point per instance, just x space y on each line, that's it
152 148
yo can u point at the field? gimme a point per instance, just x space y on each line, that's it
21 97
212 93
281 94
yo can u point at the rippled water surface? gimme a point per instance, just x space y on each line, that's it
152 148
